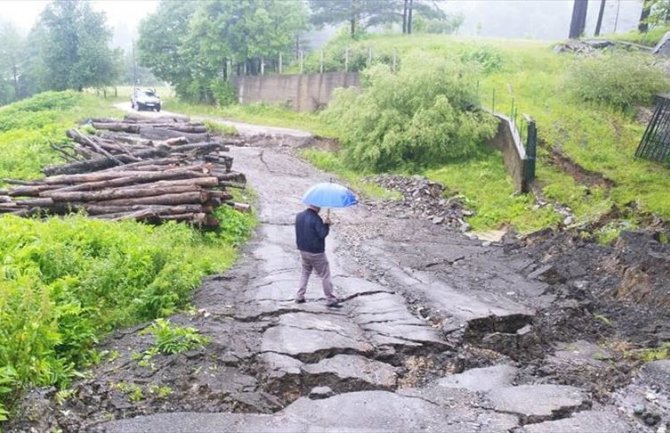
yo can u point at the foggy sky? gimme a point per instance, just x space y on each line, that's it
535 19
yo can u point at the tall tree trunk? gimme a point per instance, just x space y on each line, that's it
578 22
404 16
409 17
16 83
601 12
642 25
352 19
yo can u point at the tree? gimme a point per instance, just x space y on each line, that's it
75 47
11 58
358 13
654 13
419 116
361 14
578 21
428 10
193 45
160 41
599 21
643 25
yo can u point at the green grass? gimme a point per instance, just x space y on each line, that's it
261 114
331 163
67 282
123 93
651 354
170 339
489 191
27 129
597 138
650 38
220 128
530 76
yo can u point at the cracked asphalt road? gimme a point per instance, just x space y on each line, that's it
434 335
387 367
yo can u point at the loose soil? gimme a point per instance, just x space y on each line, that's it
579 173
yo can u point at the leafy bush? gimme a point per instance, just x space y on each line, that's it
170 339
488 58
64 282
223 92
615 79
425 114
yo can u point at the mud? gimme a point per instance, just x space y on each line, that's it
438 331
579 173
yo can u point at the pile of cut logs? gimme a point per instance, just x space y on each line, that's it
152 170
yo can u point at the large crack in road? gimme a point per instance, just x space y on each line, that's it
436 333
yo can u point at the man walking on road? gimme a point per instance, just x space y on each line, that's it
310 234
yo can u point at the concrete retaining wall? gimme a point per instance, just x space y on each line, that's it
301 92
508 141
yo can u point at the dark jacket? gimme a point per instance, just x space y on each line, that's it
310 232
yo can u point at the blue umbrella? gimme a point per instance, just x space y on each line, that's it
330 195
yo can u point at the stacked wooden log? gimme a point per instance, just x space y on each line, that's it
120 172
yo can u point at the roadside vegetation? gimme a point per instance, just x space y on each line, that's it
592 121
649 38
587 110
67 282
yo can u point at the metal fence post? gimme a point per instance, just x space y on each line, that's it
531 149
262 66
321 63
493 101
346 60
280 63
302 61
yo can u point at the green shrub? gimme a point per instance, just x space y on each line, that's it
425 114
620 80
64 282
488 58
170 339
220 128
224 92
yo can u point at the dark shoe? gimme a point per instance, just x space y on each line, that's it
334 305
300 301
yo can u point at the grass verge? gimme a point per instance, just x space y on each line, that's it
67 282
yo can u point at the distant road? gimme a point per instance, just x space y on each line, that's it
242 128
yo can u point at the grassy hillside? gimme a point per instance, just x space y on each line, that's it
599 138
66 282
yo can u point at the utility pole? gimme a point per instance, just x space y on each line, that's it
578 22
15 74
601 12
135 83
616 18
